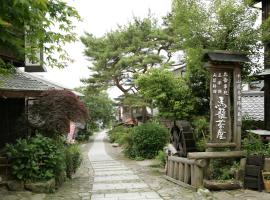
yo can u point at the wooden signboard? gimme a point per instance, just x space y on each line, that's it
220 106
225 69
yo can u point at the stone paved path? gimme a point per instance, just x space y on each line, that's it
113 180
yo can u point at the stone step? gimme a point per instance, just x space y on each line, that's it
108 173
127 196
110 169
116 178
119 186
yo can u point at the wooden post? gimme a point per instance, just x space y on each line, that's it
265 16
198 176
175 171
171 168
192 173
187 173
181 172
168 167
237 107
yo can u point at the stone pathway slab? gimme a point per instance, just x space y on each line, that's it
113 180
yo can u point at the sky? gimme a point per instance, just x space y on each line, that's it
99 17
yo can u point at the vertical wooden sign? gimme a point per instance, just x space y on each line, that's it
220 126
225 69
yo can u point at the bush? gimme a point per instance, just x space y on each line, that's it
38 158
254 145
83 135
161 157
119 134
201 132
146 140
223 169
73 159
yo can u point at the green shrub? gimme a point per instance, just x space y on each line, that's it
223 169
37 158
146 140
118 134
161 157
83 135
201 132
73 159
254 145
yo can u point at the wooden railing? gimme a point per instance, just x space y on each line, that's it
186 172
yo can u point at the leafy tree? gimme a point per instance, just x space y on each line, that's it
212 25
100 107
120 55
54 109
46 24
169 93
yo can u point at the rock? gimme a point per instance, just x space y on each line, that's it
41 187
115 145
204 194
15 185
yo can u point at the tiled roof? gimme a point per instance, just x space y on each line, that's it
21 81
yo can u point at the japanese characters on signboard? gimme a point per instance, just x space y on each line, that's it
221 124
238 101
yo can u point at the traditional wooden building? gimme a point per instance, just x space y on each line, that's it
17 90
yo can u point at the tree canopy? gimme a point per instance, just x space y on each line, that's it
100 107
46 24
213 25
168 93
193 27
122 54
54 109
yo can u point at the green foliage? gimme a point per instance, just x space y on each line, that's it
220 169
249 123
169 93
83 135
212 25
146 140
47 24
36 158
161 157
201 132
73 159
100 108
120 55
254 145
119 134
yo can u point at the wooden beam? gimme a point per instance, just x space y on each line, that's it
180 183
209 155
220 145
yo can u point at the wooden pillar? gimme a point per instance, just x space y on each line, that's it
265 15
181 172
187 173
198 176
175 171
237 107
